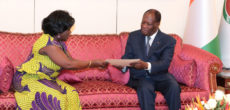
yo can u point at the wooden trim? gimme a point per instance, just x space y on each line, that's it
214 69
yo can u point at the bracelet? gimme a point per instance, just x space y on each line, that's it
90 62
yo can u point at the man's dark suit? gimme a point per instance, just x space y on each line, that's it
145 82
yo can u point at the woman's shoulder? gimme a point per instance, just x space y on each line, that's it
41 42
42 38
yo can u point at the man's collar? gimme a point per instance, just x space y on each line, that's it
154 35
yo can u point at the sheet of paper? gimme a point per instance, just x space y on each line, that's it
121 62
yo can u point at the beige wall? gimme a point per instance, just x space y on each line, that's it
17 15
92 16
95 16
173 12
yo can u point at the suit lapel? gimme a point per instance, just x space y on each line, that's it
156 43
142 45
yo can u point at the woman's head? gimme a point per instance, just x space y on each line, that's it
58 24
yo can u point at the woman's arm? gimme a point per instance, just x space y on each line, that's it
69 55
60 58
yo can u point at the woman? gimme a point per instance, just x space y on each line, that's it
35 81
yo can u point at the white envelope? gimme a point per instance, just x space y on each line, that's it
121 62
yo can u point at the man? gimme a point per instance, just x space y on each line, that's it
150 74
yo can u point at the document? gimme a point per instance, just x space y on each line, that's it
121 62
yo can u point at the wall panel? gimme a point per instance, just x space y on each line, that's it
173 12
95 16
92 16
17 16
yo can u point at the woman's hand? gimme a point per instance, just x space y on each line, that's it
118 67
101 64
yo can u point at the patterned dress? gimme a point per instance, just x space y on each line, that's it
36 83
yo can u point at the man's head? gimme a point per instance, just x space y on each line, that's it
150 22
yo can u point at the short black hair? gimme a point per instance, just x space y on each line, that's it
157 14
57 22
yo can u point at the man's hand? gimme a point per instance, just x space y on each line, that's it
139 65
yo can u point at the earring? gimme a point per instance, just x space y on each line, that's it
58 36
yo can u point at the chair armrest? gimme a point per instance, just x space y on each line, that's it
208 66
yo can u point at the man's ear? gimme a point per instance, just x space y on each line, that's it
157 24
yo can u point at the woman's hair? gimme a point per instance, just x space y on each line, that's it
57 22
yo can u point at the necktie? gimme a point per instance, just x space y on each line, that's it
148 45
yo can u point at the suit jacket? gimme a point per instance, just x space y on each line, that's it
160 53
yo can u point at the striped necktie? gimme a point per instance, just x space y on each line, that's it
148 45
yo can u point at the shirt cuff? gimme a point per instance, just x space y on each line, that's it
149 67
124 69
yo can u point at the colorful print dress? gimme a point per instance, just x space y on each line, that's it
36 83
